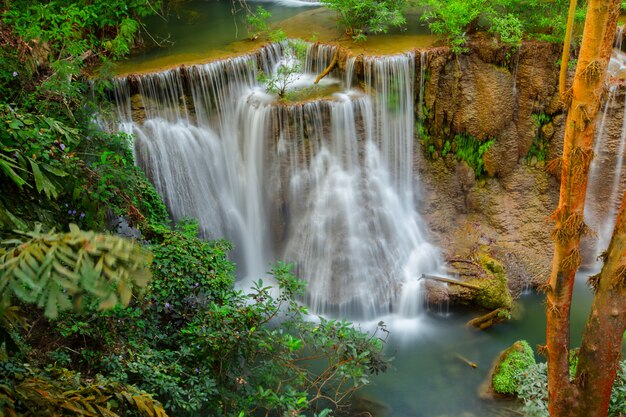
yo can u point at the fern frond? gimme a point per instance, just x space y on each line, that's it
53 269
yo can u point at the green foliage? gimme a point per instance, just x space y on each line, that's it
56 271
257 25
75 27
113 182
35 155
540 119
288 72
467 148
509 28
203 347
453 19
188 271
515 360
618 395
57 391
446 148
539 147
532 389
235 355
359 17
511 20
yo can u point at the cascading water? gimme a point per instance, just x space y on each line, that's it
325 184
606 159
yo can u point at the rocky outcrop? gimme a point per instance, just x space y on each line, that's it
513 100
492 94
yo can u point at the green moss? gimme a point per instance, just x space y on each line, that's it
539 147
494 291
512 362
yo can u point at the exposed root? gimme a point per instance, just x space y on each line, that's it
581 116
582 379
567 97
555 166
542 350
328 69
558 213
592 72
572 227
572 261
620 276
553 308
580 161
594 282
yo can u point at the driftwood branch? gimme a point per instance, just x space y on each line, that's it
450 281
329 68
467 361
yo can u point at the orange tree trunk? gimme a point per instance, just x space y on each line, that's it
582 103
601 347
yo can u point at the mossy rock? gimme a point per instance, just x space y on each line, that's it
511 363
494 291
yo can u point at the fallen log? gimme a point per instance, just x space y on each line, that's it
328 69
494 317
450 281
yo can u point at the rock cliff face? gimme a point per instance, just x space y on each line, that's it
488 94
512 99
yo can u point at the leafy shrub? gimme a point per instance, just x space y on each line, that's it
618 395
238 355
509 28
511 20
288 71
539 147
532 389
58 391
453 19
78 26
362 16
188 272
515 360
113 183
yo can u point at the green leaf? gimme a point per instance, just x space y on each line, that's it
42 182
55 171
9 167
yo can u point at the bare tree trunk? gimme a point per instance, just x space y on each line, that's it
583 103
566 47
601 347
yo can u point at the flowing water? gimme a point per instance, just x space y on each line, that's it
608 159
326 184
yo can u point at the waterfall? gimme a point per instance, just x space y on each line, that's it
420 101
607 160
327 184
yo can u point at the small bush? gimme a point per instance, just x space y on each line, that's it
361 16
